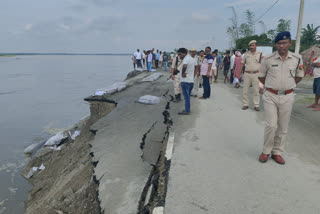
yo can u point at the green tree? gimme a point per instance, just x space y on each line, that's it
262 40
245 30
309 35
283 25
271 34
248 28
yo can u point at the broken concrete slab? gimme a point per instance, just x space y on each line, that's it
121 171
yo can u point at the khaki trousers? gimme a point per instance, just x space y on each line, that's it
176 84
195 89
248 80
277 110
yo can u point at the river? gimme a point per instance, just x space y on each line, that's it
39 95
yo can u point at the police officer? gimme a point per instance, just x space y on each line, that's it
175 75
280 72
251 61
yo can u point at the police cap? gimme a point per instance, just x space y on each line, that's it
282 36
252 42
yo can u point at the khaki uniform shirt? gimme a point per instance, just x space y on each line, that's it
280 75
252 61
179 66
200 59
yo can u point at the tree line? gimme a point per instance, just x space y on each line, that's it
241 34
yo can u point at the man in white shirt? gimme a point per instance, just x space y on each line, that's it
138 56
150 56
196 82
187 76
233 57
316 84
214 72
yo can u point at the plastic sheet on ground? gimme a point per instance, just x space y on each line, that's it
116 87
30 149
153 70
149 100
56 139
55 148
34 170
152 77
74 135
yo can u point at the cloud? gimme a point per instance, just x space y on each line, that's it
82 5
28 27
106 23
100 3
201 18
65 27
243 2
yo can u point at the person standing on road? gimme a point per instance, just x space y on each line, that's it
134 61
226 66
201 58
171 57
160 59
219 65
213 73
233 57
138 56
165 61
279 72
157 55
237 70
175 70
145 56
150 57
195 89
205 72
316 84
189 65
252 61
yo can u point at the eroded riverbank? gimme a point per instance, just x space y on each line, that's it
117 163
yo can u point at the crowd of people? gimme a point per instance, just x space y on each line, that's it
275 76
147 59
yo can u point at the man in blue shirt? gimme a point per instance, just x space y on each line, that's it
205 70
157 58
219 61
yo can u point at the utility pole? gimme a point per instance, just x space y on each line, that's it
299 27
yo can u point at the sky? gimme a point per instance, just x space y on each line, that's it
122 26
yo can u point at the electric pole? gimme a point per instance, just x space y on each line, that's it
299 27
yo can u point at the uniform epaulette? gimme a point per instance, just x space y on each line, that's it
270 56
296 55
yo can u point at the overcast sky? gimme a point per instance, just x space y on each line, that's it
121 26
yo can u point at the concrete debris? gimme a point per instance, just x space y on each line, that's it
149 100
152 77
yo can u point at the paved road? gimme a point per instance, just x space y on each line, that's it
215 166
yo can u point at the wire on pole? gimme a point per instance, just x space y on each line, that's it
268 10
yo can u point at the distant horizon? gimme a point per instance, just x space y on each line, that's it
35 53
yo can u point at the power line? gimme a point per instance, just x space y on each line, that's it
267 10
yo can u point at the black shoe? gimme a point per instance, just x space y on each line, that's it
184 113
178 97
